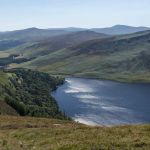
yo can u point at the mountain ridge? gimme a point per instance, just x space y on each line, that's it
120 29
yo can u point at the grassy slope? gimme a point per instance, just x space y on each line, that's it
92 65
45 134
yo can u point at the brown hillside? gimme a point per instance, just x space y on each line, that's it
6 109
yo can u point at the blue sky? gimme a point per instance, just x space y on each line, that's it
18 14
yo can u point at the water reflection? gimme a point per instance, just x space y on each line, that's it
96 102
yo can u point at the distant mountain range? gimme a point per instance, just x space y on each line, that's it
51 44
82 53
35 33
30 34
15 38
120 29
114 30
11 39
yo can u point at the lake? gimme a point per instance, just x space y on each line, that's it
102 102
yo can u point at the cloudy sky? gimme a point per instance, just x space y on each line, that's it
19 14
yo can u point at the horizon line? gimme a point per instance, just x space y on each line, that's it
65 27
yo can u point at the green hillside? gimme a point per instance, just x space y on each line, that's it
124 58
88 54
52 37
27 93
46 46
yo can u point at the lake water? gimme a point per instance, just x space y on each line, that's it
101 102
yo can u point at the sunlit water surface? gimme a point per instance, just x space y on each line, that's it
101 102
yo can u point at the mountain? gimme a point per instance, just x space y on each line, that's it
124 58
88 54
114 30
15 38
34 34
119 29
70 29
51 44
12 39
30 34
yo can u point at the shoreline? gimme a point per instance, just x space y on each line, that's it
126 81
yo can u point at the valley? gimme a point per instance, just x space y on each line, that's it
74 75
53 80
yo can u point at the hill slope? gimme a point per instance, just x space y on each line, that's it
30 34
35 133
5 109
55 43
124 58
27 93
11 39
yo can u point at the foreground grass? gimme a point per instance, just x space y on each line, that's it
25 133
